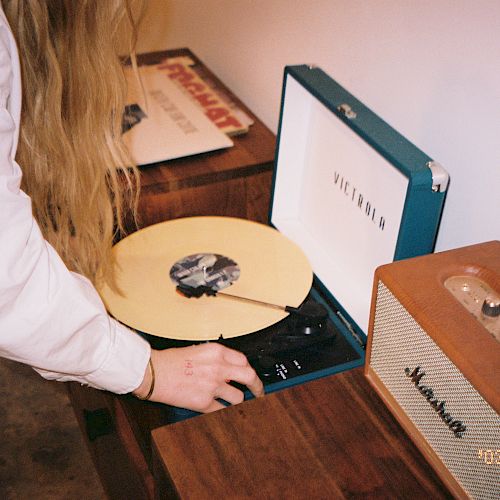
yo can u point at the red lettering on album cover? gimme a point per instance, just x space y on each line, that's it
174 70
229 121
194 87
203 94
206 100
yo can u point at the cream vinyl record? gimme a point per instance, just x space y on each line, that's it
238 256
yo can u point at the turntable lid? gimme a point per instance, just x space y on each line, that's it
349 189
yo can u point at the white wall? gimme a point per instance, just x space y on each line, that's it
431 68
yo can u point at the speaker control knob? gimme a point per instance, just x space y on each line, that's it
491 307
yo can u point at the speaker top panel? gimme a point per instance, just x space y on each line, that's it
453 295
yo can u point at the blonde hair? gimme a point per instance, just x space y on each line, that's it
81 180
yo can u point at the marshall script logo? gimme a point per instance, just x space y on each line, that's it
352 193
456 426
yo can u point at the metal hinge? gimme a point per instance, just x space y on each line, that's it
440 177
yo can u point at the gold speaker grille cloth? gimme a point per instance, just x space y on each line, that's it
272 269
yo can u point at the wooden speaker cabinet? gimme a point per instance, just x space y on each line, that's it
434 358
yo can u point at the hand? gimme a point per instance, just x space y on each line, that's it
195 377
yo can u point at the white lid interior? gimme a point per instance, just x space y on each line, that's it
337 198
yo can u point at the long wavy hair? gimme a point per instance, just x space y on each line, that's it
78 173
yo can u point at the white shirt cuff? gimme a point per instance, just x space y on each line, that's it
123 367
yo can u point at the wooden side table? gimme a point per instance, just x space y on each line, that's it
233 182
332 438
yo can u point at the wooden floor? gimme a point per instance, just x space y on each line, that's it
42 453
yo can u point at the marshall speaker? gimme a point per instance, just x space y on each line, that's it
434 357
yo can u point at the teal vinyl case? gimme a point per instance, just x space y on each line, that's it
350 190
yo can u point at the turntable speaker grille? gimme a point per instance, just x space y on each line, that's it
449 410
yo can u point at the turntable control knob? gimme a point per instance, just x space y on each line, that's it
491 307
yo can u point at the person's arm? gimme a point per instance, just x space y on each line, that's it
50 318
54 320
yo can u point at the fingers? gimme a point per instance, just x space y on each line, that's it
230 394
247 376
235 357
214 406
256 387
237 366
242 372
196 377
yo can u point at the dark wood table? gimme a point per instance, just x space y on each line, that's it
330 438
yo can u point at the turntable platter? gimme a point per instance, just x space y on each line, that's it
265 266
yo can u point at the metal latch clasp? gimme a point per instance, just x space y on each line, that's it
440 176
347 111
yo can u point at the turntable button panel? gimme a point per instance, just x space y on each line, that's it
477 297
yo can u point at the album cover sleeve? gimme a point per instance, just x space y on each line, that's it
160 122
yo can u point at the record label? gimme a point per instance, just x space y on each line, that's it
205 269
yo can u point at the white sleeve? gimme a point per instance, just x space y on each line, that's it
50 318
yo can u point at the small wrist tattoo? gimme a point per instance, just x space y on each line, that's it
188 367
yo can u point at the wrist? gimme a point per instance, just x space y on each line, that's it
145 390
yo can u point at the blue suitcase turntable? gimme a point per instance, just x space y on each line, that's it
351 191
349 194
